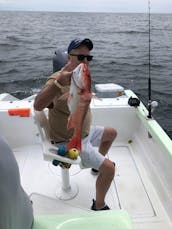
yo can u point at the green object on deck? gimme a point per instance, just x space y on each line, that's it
111 219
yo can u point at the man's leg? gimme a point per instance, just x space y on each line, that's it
107 169
107 139
105 177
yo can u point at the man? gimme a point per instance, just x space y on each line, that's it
58 84
15 207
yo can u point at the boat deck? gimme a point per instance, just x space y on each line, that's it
131 189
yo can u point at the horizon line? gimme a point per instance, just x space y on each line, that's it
62 11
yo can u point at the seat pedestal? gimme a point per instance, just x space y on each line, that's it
68 190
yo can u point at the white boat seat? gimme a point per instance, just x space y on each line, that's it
67 191
110 88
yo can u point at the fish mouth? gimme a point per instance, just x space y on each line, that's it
79 69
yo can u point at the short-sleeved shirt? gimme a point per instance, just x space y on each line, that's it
59 113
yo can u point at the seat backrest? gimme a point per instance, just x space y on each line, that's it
49 150
42 123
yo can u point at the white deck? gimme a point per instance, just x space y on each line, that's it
142 184
131 189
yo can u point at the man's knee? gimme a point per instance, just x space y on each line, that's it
113 133
107 168
109 134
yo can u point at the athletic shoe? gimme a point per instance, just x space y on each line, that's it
94 171
93 207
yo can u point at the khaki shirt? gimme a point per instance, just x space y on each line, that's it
58 116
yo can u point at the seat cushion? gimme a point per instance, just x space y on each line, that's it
118 219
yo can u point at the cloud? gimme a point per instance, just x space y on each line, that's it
89 5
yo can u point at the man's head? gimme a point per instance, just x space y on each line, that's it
79 42
79 51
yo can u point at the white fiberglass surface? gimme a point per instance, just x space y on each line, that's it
130 190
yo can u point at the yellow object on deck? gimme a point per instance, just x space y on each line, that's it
73 153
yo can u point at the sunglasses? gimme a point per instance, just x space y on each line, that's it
82 57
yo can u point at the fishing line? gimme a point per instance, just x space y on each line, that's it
149 62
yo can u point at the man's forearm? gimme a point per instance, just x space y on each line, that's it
45 97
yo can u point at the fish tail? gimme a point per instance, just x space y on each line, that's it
75 142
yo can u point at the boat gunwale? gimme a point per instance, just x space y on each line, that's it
154 129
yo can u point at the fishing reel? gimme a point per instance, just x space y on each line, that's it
151 108
154 105
133 102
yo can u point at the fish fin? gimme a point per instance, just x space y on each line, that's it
95 96
75 142
70 97
70 122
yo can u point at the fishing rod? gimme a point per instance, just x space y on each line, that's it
149 64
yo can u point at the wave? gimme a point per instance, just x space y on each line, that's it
133 64
10 71
132 32
27 82
13 38
22 88
5 45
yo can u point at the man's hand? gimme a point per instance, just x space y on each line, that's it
65 73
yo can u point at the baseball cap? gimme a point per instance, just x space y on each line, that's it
78 42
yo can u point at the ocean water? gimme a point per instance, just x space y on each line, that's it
28 41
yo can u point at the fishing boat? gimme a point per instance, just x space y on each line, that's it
61 189
140 195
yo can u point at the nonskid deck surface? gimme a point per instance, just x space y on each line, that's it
131 189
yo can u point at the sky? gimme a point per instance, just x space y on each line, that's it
136 6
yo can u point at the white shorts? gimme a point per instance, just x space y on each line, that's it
90 156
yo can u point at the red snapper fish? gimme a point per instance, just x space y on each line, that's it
78 102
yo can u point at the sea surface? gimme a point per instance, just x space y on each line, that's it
28 41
